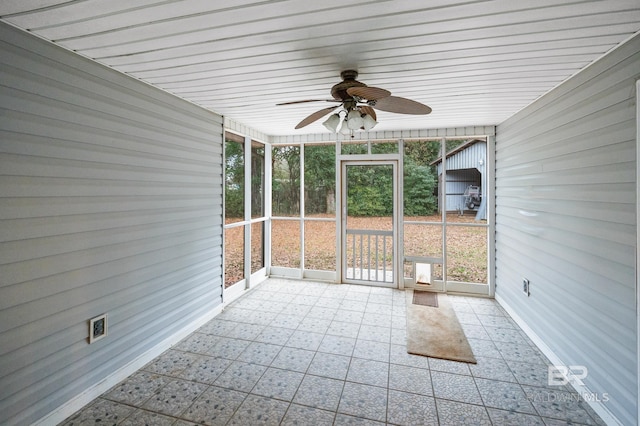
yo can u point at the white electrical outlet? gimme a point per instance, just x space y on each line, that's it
97 328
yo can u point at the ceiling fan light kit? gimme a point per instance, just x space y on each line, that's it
354 119
358 102
332 123
368 122
345 130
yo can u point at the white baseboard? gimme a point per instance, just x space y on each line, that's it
597 406
79 401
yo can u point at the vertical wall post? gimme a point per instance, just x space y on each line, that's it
490 192
443 201
338 195
247 211
224 208
638 243
302 210
400 218
268 209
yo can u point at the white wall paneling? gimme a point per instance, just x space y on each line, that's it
566 220
111 202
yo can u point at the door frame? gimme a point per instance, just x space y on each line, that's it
341 214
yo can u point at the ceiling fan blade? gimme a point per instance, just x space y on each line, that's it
315 116
308 100
368 93
368 110
401 106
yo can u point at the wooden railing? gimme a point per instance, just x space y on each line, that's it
369 255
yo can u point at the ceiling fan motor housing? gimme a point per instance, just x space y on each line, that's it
339 91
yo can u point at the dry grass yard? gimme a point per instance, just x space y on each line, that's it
467 246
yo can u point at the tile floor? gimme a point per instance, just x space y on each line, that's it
308 353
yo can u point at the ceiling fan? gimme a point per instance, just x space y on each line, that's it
358 102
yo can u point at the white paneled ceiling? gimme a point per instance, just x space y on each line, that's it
473 62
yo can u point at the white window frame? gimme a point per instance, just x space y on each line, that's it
250 279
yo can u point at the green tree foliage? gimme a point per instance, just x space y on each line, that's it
286 180
319 177
420 176
419 185
425 152
257 179
234 180
370 190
